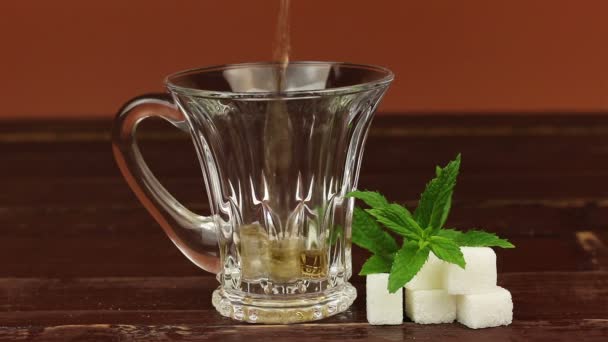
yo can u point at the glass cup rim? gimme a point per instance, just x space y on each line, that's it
387 78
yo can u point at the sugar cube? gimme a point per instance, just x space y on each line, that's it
479 275
430 306
430 275
484 310
383 308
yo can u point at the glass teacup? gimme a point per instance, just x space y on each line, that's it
277 165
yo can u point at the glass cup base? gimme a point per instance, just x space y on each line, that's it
263 310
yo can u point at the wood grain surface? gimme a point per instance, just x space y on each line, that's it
81 260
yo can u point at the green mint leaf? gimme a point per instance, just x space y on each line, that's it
447 250
408 261
367 234
398 219
478 238
422 213
371 198
436 200
377 264
475 238
451 234
444 215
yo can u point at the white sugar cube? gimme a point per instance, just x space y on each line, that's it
430 275
479 275
383 308
484 310
430 306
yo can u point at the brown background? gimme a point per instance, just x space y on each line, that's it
69 58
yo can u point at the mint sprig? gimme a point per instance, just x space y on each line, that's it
422 232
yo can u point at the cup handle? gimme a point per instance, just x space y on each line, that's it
194 235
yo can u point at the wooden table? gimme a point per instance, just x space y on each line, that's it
82 260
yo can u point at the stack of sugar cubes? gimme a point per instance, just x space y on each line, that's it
442 292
